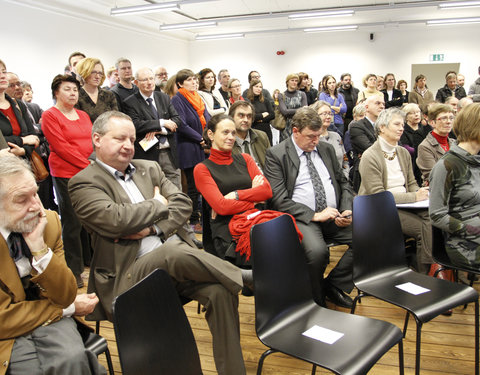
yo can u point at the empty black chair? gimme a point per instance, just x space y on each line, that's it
98 345
380 267
285 310
152 330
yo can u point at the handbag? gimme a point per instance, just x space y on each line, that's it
38 167
279 122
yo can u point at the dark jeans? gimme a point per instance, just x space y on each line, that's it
194 195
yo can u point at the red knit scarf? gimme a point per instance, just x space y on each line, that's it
197 103
240 226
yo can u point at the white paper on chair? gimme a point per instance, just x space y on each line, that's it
323 334
412 288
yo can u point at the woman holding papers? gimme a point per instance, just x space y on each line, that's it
388 166
455 191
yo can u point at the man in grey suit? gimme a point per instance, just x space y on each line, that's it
135 216
248 141
308 183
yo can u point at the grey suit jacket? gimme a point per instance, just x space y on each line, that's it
281 169
260 144
107 213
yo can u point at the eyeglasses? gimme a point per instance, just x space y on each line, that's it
13 84
445 119
162 74
325 114
235 87
149 79
94 72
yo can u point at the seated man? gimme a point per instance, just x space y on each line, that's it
135 216
308 183
38 292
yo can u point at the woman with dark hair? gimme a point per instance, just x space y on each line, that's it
420 94
455 191
68 131
92 98
211 96
15 123
336 101
192 110
402 86
264 112
232 185
305 86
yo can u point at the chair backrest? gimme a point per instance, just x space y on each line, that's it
280 271
152 331
378 242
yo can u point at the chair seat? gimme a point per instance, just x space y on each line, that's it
354 353
443 294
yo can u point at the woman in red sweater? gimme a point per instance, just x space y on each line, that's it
68 131
231 184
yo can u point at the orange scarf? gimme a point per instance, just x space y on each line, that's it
197 103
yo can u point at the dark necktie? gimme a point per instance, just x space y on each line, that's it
318 189
162 138
18 246
246 147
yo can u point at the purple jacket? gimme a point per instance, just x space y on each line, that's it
189 133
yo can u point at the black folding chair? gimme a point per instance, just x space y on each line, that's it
380 268
153 333
285 310
98 345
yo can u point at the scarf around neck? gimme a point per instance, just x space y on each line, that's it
197 103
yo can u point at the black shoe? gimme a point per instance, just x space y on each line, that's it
197 243
247 278
338 297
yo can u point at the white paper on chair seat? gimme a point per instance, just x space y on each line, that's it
323 334
412 288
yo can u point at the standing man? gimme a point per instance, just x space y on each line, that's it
392 96
38 292
350 94
474 90
73 59
125 87
161 78
363 135
451 88
247 140
223 78
460 80
135 217
308 183
112 78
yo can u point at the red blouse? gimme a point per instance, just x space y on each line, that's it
246 198
10 115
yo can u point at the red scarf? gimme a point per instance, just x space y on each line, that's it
240 226
442 140
197 103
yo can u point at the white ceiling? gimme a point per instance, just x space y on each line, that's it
368 14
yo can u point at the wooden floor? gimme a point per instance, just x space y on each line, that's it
447 342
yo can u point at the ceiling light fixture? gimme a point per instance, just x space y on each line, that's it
188 25
311 15
148 8
459 5
331 28
220 36
453 21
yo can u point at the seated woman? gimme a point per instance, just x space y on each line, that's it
233 186
264 112
437 142
387 166
211 96
370 83
332 137
92 98
455 191
413 134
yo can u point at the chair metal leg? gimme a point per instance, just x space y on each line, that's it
477 358
109 362
357 298
262 358
97 327
405 325
401 366
314 369
417 350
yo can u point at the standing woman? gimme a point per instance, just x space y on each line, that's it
191 109
370 84
402 86
92 98
288 103
210 95
420 94
15 123
336 101
68 131
455 191
264 112
235 89
305 86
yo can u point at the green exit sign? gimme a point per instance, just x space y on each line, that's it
437 57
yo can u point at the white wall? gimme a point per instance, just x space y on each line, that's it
393 50
36 45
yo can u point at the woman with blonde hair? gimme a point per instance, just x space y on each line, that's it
92 98
235 89
370 84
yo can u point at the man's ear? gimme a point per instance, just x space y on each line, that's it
96 139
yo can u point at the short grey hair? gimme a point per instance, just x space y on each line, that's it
100 126
11 165
144 69
385 117
319 104
410 107
359 110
